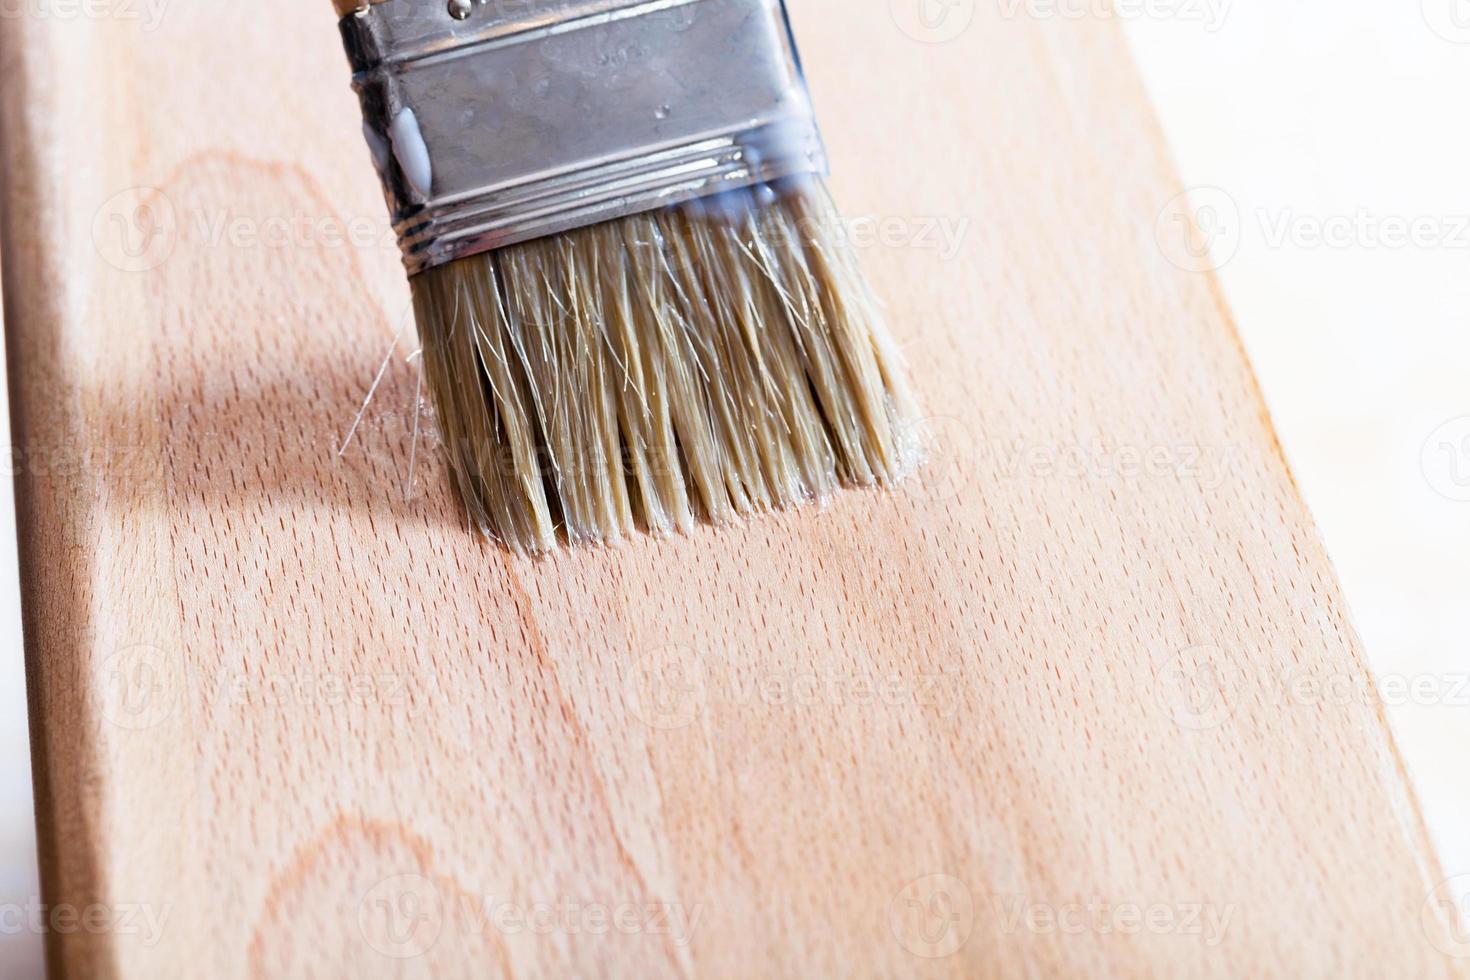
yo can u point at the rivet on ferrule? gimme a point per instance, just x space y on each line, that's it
505 120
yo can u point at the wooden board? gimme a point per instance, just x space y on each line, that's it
1049 711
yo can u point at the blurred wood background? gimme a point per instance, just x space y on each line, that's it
1047 711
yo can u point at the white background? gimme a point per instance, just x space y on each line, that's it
1316 129
20 952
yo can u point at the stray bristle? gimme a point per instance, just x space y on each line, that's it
708 360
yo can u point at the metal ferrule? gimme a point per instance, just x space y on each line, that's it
493 122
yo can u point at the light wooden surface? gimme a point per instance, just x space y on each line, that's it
1048 712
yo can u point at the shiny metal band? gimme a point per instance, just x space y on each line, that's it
497 121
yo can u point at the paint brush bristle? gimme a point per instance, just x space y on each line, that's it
705 361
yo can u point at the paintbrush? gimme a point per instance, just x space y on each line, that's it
636 302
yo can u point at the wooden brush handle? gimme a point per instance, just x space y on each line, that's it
345 7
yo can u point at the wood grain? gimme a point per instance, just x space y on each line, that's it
1047 712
